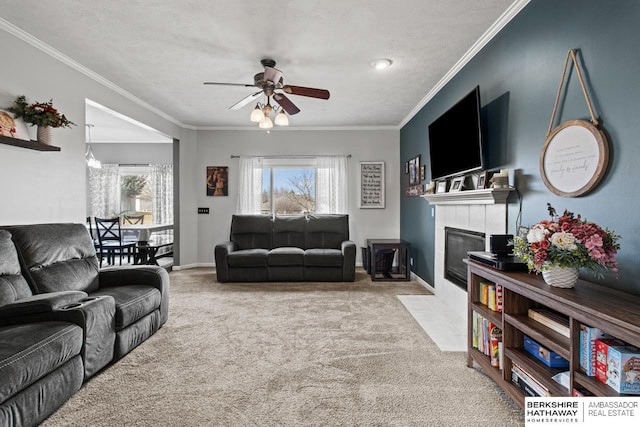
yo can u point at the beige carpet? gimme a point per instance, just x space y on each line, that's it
312 354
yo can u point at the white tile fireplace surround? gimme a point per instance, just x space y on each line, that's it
482 211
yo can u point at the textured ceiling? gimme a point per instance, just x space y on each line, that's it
161 51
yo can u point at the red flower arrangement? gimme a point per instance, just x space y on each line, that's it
40 113
568 241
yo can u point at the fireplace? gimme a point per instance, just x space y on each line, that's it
457 243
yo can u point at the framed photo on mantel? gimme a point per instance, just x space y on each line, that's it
371 185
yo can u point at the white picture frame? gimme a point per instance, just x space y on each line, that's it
372 183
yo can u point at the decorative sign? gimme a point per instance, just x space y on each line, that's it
574 158
371 185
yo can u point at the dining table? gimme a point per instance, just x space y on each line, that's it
144 231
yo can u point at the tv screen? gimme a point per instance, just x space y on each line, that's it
455 141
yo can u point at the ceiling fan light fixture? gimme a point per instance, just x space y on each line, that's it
257 115
381 64
282 119
266 123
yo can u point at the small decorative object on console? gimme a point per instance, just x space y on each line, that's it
568 241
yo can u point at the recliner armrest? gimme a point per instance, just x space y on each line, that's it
146 275
40 303
349 262
220 254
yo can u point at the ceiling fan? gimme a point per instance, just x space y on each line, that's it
270 83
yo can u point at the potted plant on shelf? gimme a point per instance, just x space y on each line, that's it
41 114
559 247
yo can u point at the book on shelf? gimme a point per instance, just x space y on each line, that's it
487 338
529 380
491 296
551 320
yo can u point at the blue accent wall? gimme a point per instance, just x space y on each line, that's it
518 73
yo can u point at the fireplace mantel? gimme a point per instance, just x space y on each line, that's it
488 196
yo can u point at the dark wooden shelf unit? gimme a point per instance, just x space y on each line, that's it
31 144
613 311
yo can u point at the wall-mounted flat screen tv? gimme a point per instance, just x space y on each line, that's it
455 139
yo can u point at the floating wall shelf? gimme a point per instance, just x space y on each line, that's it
32 145
488 196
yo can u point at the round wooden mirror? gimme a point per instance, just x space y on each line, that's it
574 158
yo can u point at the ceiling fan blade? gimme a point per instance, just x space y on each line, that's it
286 104
238 105
306 91
228 84
272 74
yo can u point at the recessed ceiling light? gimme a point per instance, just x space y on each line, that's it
381 64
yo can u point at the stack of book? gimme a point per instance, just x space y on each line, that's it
491 295
551 320
487 338
527 383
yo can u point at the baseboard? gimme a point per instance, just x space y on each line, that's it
426 285
196 265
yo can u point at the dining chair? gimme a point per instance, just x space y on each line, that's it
133 219
94 236
111 241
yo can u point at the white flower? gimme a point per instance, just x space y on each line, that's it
535 235
564 241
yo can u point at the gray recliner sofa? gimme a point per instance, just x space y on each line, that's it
263 248
62 319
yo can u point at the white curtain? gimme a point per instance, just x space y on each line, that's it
250 186
331 185
104 191
161 177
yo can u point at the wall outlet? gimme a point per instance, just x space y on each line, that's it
411 261
203 211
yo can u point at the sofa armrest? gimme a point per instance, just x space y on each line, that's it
40 303
220 253
147 275
349 263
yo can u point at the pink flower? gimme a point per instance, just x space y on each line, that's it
595 241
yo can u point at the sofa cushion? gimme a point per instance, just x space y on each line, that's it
30 351
289 231
57 257
327 231
323 258
133 302
286 256
13 285
248 258
251 231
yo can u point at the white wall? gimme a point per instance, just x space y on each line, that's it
216 147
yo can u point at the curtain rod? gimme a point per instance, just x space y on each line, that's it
295 156
134 164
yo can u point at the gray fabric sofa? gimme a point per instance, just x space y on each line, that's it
263 248
62 319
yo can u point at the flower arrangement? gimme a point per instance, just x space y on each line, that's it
568 241
40 113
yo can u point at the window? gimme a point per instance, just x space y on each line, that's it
289 186
136 197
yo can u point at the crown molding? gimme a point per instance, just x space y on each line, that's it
56 54
300 128
493 30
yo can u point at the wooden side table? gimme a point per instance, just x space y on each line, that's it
399 272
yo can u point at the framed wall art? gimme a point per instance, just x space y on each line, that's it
372 185
414 170
217 181
12 127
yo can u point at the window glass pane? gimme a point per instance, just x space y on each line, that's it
136 197
294 190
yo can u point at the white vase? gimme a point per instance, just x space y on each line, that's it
560 277
44 134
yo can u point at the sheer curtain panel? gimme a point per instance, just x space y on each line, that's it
250 186
331 185
104 191
161 177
